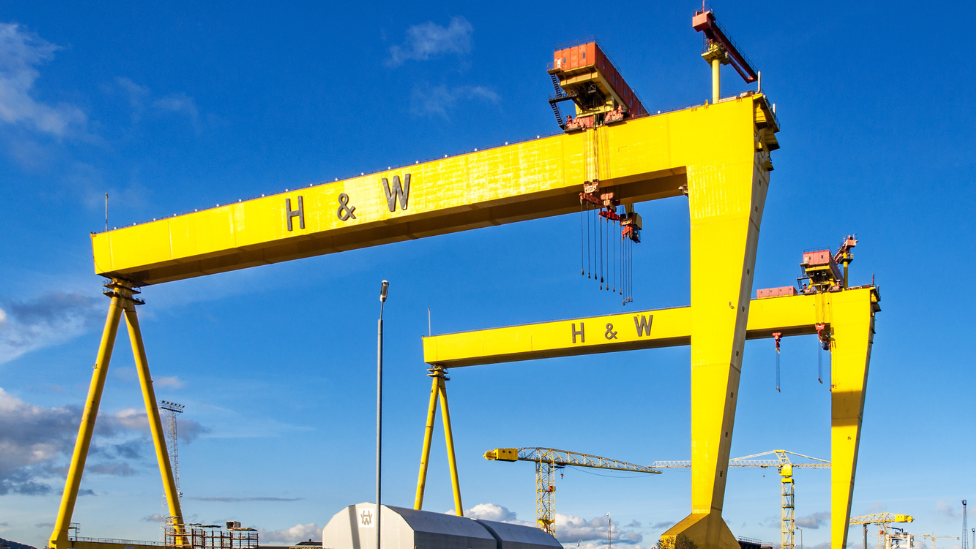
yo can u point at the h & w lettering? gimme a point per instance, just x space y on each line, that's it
579 333
397 192
299 213
643 325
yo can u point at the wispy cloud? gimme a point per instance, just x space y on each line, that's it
297 533
813 521
430 39
569 528
34 439
441 100
180 103
945 509
491 511
48 320
21 52
242 500
169 381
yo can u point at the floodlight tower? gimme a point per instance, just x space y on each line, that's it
965 527
172 409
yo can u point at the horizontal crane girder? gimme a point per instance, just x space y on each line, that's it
644 159
796 315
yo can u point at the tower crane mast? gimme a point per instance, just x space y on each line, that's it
547 461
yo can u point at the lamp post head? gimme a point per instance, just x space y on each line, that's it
383 289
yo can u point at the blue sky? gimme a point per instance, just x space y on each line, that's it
175 106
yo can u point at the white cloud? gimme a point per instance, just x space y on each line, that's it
490 511
48 320
440 100
429 39
813 521
21 52
34 439
945 509
295 534
169 381
570 528
590 534
180 103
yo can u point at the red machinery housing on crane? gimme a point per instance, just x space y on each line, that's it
582 73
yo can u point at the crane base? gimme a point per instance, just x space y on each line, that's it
700 531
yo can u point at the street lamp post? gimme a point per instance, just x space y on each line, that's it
801 536
609 530
379 409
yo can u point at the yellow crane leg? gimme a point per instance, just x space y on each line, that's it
59 537
418 501
155 425
724 237
449 439
852 334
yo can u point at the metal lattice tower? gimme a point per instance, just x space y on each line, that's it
172 409
787 518
965 527
546 489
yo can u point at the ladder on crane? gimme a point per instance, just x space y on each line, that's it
547 461
785 467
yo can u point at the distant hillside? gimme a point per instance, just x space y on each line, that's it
4 543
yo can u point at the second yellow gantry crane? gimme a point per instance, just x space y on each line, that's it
547 461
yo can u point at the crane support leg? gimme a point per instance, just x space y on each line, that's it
59 537
438 392
418 501
451 459
724 237
852 334
149 396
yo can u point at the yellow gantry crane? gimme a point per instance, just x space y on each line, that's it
547 461
785 468
884 522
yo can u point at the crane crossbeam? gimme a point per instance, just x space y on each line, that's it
645 159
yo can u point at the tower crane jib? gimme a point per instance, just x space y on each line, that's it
547 461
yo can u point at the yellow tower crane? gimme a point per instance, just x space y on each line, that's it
785 468
934 537
547 461
884 521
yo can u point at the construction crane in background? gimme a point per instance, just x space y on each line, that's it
934 537
547 461
785 468
884 522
